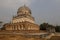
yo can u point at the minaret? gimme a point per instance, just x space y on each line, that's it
23 14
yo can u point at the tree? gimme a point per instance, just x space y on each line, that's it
43 26
57 28
1 23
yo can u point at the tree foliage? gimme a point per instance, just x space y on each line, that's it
57 28
43 26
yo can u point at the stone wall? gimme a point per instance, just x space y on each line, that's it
21 26
16 37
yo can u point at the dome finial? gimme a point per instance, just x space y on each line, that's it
24 5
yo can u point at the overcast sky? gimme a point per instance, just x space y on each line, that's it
43 10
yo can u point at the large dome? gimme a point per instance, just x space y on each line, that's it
24 10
